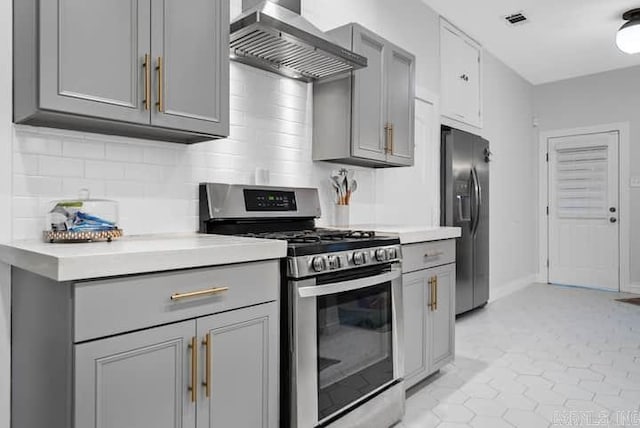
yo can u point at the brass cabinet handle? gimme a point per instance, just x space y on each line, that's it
147 81
207 382
430 304
392 137
194 369
199 293
386 138
160 102
435 287
434 254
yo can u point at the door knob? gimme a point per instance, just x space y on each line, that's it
612 209
613 219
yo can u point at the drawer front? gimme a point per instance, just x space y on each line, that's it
113 306
426 255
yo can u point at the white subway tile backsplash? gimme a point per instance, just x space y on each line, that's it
25 164
71 187
156 183
104 170
26 185
82 148
30 142
159 156
60 167
124 152
143 172
26 207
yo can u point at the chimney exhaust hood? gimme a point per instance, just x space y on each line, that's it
271 35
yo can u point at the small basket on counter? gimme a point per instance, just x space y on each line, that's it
82 220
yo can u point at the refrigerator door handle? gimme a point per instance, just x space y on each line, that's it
478 196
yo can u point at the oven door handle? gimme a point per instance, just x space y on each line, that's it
342 286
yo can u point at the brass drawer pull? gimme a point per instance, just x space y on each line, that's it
387 137
207 364
194 369
435 287
199 293
147 81
160 102
434 254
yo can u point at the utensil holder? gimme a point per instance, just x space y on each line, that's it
341 215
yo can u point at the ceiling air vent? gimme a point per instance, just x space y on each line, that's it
516 19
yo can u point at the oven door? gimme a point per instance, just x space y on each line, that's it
347 342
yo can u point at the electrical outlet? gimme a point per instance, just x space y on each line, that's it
635 181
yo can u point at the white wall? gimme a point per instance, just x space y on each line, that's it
508 125
5 207
602 98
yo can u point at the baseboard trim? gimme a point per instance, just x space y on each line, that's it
633 288
511 287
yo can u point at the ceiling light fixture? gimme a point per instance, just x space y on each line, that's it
628 37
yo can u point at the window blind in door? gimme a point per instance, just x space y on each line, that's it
581 182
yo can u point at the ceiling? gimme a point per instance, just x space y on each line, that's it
564 38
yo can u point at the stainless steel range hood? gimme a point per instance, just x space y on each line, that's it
271 35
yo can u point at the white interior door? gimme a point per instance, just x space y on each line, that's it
583 210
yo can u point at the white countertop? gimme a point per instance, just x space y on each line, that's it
413 234
136 254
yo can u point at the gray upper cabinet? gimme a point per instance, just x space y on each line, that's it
369 88
90 61
188 45
367 117
155 69
401 106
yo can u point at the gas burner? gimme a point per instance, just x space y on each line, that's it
361 234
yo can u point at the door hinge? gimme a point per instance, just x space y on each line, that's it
547 262
547 157
547 209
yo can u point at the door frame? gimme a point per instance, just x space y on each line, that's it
624 196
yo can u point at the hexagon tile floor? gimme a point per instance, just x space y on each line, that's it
544 356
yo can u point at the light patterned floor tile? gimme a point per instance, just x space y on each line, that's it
540 353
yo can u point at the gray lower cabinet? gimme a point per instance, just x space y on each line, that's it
208 360
367 117
243 362
429 308
136 380
144 68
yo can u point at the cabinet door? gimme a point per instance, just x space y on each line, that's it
190 41
135 380
401 105
240 363
442 316
460 70
369 97
414 300
91 57
470 85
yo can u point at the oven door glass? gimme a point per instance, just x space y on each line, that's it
355 355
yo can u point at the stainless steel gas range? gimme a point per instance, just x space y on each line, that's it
341 318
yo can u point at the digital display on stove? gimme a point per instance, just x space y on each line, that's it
269 200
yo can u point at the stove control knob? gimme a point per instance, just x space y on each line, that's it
392 253
381 255
334 262
318 264
358 258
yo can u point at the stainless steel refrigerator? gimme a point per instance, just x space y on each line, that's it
465 203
